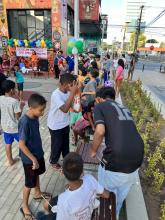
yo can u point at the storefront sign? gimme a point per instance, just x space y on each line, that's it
27 52
35 4
56 36
89 10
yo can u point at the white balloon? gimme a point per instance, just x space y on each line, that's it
23 70
74 51
54 209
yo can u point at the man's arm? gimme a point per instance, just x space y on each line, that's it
98 138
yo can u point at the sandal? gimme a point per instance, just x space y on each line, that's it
45 195
28 216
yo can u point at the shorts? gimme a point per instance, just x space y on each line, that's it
80 125
31 175
20 86
9 138
74 116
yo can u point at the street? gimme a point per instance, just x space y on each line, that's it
154 80
148 65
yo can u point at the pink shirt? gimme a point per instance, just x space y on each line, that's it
119 73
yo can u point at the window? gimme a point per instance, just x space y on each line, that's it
30 24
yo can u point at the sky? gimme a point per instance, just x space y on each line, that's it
116 12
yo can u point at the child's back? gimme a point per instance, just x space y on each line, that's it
80 203
9 106
19 77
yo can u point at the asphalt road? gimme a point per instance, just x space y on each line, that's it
148 65
153 79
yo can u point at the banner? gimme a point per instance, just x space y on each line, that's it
26 4
27 52
89 10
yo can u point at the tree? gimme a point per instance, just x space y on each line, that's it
141 41
152 41
105 46
162 45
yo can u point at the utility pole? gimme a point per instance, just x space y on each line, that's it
76 32
138 29
102 38
125 29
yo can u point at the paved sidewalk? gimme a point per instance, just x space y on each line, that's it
12 178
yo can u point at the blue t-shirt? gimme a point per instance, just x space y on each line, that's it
29 132
19 77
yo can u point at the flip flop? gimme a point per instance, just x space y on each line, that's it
27 216
45 195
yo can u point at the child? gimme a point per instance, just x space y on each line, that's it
58 118
84 122
79 199
31 151
34 61
10 113
89 91
119 76
75 112
20 82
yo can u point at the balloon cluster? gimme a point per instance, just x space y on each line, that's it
25 43
75 43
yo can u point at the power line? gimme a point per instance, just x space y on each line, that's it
156 18
120 25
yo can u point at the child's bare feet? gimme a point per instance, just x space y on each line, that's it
12 162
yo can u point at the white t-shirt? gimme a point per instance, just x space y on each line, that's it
9 107
79 204
56 118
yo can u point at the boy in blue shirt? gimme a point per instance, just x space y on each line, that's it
20 81
31 151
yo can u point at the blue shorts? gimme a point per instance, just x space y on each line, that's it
9 138
20 86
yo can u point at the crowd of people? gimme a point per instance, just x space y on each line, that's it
83 103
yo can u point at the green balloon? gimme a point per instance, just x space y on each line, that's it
70 50
71 44
80 50
79 44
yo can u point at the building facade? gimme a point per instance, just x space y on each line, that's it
91 27
132 12
50 19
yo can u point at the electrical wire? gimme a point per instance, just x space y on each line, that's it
156 18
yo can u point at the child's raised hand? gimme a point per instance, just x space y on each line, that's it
74 87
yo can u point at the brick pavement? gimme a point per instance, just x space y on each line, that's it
12 178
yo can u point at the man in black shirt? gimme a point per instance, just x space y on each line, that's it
124 146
